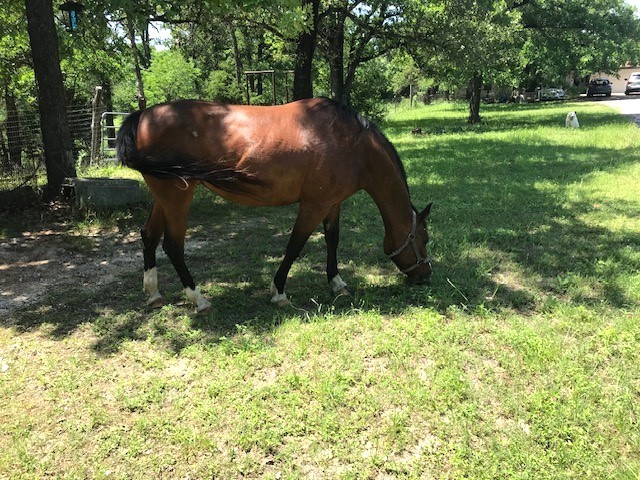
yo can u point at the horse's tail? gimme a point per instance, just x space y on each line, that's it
126 149
168 164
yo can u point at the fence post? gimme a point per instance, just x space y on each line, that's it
95 125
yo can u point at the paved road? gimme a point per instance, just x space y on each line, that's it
629 106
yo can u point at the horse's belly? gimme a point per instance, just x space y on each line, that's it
257 196
319 190
282 179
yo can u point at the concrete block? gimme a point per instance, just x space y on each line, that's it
102 193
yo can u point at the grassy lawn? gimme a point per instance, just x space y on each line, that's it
521 359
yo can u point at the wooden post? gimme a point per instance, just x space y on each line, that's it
95 125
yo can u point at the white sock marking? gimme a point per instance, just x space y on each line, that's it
337 283
150 285
196 297
279 298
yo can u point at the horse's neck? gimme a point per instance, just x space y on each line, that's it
388 189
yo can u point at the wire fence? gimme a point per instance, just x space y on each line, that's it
21 150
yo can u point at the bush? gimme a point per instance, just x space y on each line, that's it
221 86
170 77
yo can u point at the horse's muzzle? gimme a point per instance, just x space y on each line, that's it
421 276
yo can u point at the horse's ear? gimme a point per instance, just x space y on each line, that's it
422 216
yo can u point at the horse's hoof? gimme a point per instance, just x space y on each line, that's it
342 292
203 305
283 302
279 299
204 309
338 286
156 301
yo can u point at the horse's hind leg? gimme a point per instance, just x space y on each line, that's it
332 235
173 245
151 233
175 199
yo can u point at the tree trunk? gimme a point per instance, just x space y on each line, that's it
142 100
236 54
259 58
305 49
146 47
335 56
51 97
14 133
95 127
4 154
474 100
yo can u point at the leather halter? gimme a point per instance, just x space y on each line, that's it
411 240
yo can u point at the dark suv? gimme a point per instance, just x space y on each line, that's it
633 83
599 86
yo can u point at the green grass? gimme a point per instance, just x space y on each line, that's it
521 359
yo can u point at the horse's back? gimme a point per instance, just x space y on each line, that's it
294 150
193 124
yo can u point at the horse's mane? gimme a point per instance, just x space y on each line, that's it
345 113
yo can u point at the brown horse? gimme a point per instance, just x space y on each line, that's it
313 152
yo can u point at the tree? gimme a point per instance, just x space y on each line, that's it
225 37
468 44
14 57
135 17
575 38
305 50
355 33
170 76
51 96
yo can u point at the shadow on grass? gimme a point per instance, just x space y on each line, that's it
505 235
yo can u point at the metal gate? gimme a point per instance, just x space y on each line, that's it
108 134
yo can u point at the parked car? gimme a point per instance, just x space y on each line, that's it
551 94
599 86
633 84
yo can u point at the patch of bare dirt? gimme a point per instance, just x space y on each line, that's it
36 261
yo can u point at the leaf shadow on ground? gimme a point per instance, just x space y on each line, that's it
488 218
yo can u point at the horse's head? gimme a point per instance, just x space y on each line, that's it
412 258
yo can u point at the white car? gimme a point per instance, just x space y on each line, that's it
551 94
633 84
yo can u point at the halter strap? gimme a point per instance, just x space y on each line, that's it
411 240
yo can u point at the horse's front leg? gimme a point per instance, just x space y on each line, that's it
309 217
332 236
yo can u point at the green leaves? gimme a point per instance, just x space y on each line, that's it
169 77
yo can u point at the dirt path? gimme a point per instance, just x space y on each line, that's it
36 261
